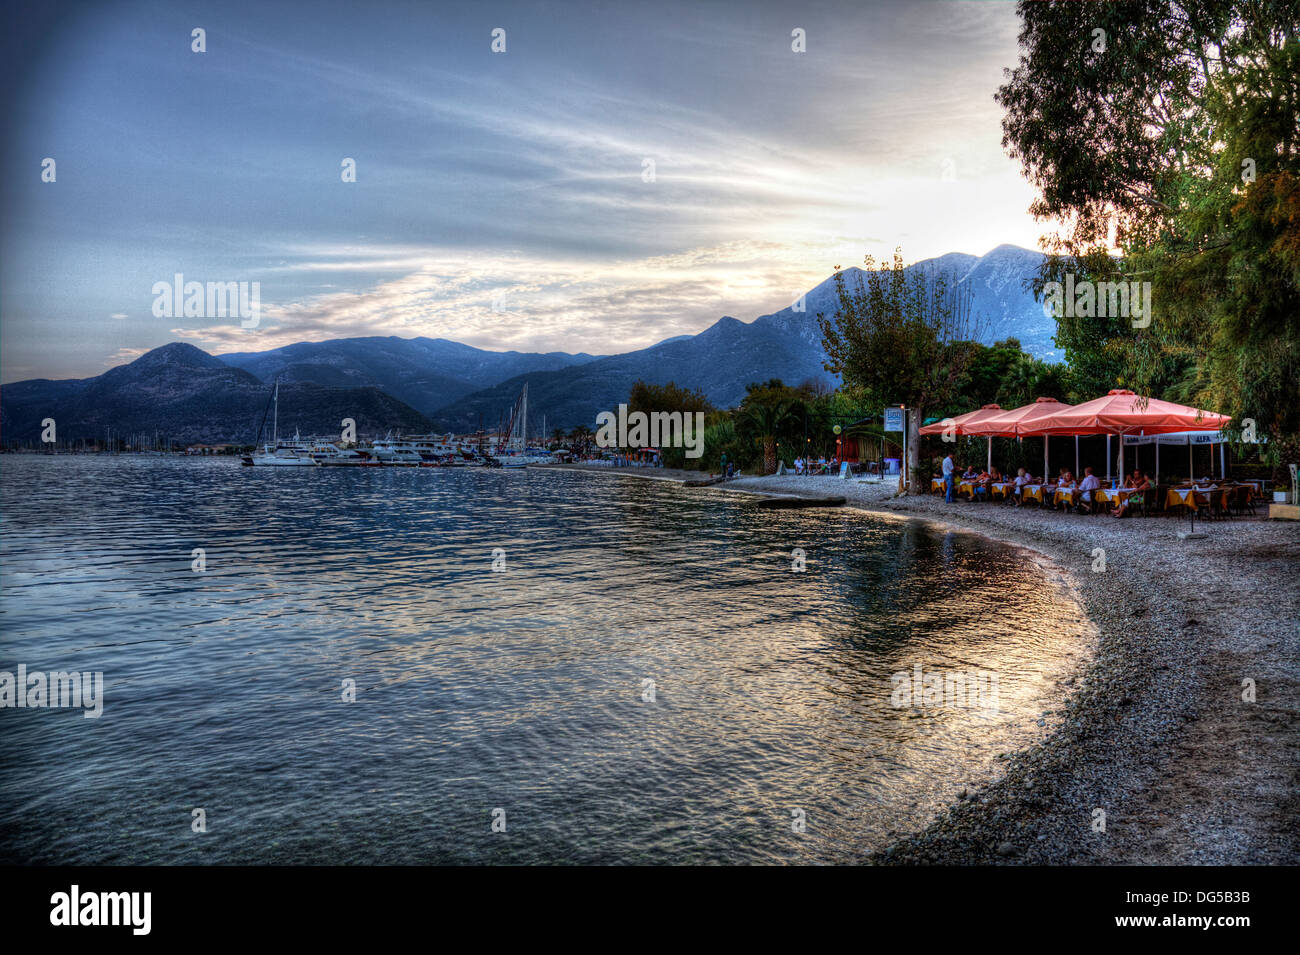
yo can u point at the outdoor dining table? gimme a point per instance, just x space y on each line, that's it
1035 491
1065 494
936 484
1112 495
1191 497
1001 488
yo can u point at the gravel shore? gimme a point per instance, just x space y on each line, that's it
1155 732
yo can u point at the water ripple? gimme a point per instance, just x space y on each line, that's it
477 690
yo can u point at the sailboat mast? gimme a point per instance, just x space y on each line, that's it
275 422
523 420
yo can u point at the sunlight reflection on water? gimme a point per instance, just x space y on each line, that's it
477 690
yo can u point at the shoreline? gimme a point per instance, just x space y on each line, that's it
1153 731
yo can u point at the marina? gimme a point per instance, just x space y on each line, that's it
508 449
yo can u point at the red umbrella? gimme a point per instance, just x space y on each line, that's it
1017 422
1122 412
962 422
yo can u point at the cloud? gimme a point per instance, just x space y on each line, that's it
124 355
500 199
529 303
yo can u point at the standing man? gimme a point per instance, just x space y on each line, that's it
724 465
947 478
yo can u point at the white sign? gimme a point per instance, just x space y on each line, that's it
893 419
1177 437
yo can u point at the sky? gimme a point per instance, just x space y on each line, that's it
621 173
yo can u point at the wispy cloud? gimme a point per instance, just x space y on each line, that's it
503 302
501 200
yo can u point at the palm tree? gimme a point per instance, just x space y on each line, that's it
766 421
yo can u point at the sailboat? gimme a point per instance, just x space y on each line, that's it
514 451
275 454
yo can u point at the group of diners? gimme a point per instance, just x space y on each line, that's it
809 466
1065 493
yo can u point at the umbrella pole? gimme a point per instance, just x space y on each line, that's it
989 467
1107 458
1157 480
1076 455
1191 474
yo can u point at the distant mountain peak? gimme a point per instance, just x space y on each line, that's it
176 353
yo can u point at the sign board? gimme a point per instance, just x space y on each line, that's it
844 469
893 419
1177 437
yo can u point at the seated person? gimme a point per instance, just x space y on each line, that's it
1138 481
996 476
970 474
1064 483
981 489
1023 477
1089 484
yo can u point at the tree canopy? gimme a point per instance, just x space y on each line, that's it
1166 137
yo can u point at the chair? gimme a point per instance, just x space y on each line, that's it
1221 502
1159 501
1137 503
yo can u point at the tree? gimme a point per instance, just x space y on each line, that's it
1172 135
902 336
769 412
670 398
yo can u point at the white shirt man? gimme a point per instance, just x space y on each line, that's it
1088 484
947 465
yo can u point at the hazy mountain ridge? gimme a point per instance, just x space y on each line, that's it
421 383
721 360
189 396
425 373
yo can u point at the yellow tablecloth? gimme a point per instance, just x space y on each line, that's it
1002 488
1194 498
1113 495
1033 492
936 484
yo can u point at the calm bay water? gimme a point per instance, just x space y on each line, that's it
477 690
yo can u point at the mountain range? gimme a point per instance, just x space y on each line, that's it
423 384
